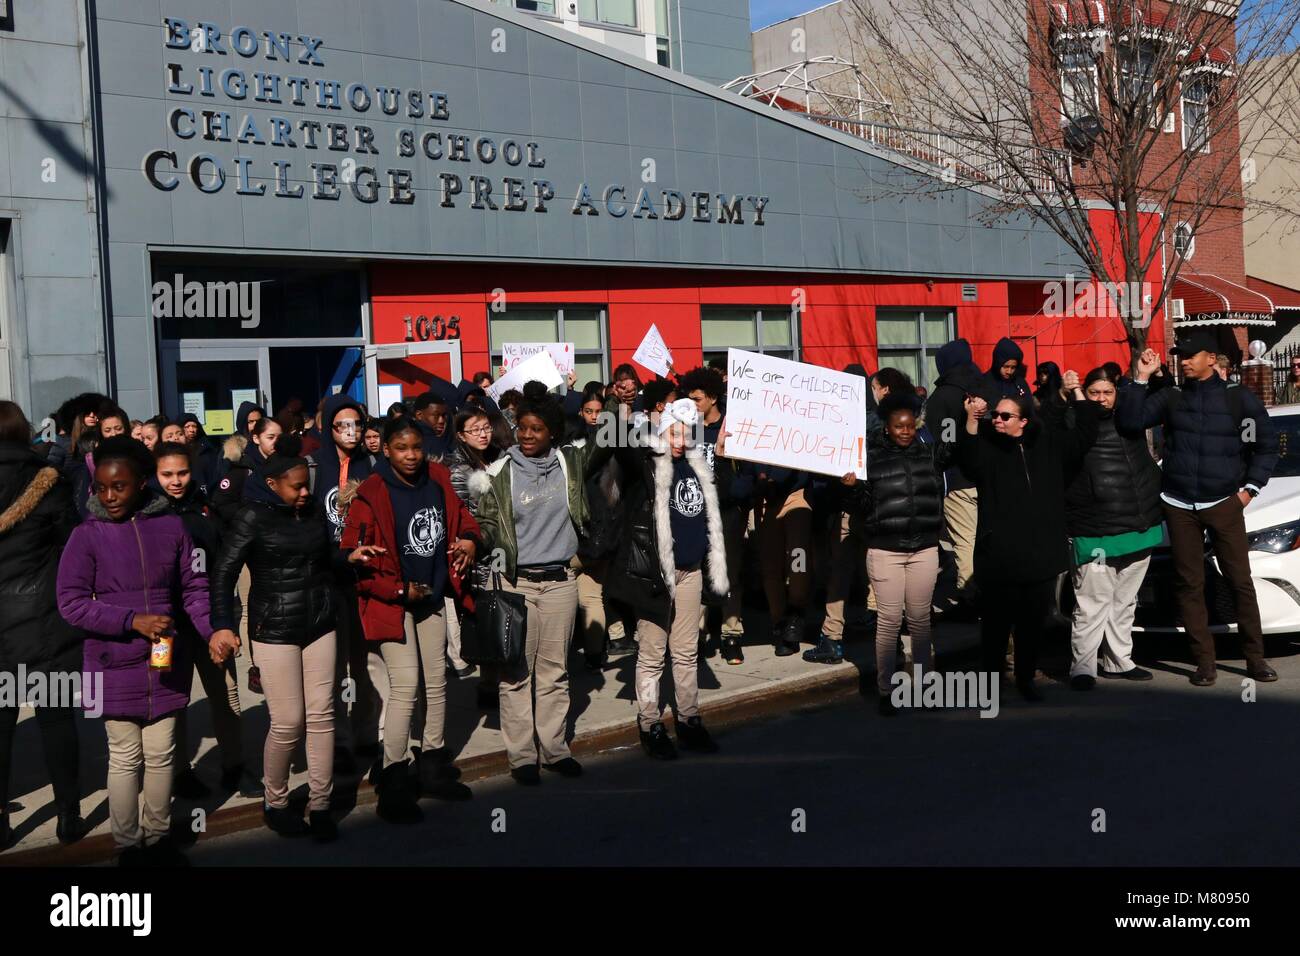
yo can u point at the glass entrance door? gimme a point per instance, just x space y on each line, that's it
212 382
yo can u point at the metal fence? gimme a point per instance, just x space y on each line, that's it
1281 359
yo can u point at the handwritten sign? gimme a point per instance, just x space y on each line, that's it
537 368
515 353
795 415
653 353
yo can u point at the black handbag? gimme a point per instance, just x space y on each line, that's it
500 627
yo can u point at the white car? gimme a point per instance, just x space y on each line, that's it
1273 535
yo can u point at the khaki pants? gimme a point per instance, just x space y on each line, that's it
903 582
132 746
735 521
960 512
785 545
845 559
591 606
681 642
421 654
299 686
535 692
1105 603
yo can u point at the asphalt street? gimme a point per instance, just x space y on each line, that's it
1178 775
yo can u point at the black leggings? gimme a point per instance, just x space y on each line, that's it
1019 607
59 737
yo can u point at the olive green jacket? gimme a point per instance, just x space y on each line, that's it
496 509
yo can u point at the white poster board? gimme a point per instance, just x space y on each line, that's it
389 395
192 403
240 395
515 353
653 353
536 368
795 415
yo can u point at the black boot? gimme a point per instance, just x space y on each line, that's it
285 821
69 827
691 735
438 776
787 634
396 791
657 743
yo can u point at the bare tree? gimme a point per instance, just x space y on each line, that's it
1062 109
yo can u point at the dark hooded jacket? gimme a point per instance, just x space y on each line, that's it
1048 391
999 387
36 518
945 409
241 416
207 463
335 494
241 461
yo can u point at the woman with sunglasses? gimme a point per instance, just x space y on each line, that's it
1019 466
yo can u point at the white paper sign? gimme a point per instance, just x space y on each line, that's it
389 395
192 404
240 395
537 368
653 353
795 415
515 353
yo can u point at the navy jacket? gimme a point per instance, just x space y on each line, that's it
1206 457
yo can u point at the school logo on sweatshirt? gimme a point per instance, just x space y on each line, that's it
332 508
424 532
688 499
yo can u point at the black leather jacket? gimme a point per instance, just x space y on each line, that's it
293 562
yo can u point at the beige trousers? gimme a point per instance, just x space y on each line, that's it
904 584
535 692
681 642
132 746
960 511
421 654
299 686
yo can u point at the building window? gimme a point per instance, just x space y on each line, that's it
907 339
532 6
584 326
1139 75
1078 82
619 12
1196 114
1184 241
663 54
771 331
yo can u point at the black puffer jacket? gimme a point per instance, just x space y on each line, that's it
1205 456
1118 488
36 517
292 560
900 505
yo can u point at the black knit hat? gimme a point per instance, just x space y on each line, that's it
286 457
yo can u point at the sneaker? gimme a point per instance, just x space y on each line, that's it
792 630
1205 676
284 821
785 636
730 650
691 735
827 651
323 828
188 786
255 680
1133 673
568 767
526 776
1083 682
657 743
1261 671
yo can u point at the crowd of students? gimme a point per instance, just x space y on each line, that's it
344 554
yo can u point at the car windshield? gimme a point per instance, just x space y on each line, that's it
1288 446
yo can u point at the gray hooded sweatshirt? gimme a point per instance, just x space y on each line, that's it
542 526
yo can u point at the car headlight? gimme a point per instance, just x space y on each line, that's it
1276 540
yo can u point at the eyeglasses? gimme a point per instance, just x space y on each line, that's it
481 430
1005 416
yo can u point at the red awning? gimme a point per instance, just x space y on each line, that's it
1213 300
1280 295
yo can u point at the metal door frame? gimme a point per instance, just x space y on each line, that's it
397 350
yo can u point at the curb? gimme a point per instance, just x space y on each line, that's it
829 684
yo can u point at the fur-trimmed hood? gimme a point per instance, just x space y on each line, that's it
232 449
715 565
31 496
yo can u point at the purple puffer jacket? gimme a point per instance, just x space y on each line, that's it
111 570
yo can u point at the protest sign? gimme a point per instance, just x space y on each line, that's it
653 353
536 368
795 415
515 353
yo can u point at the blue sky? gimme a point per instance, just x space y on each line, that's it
765 12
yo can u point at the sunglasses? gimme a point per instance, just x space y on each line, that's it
1005 416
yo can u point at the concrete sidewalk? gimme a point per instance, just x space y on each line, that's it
602 715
